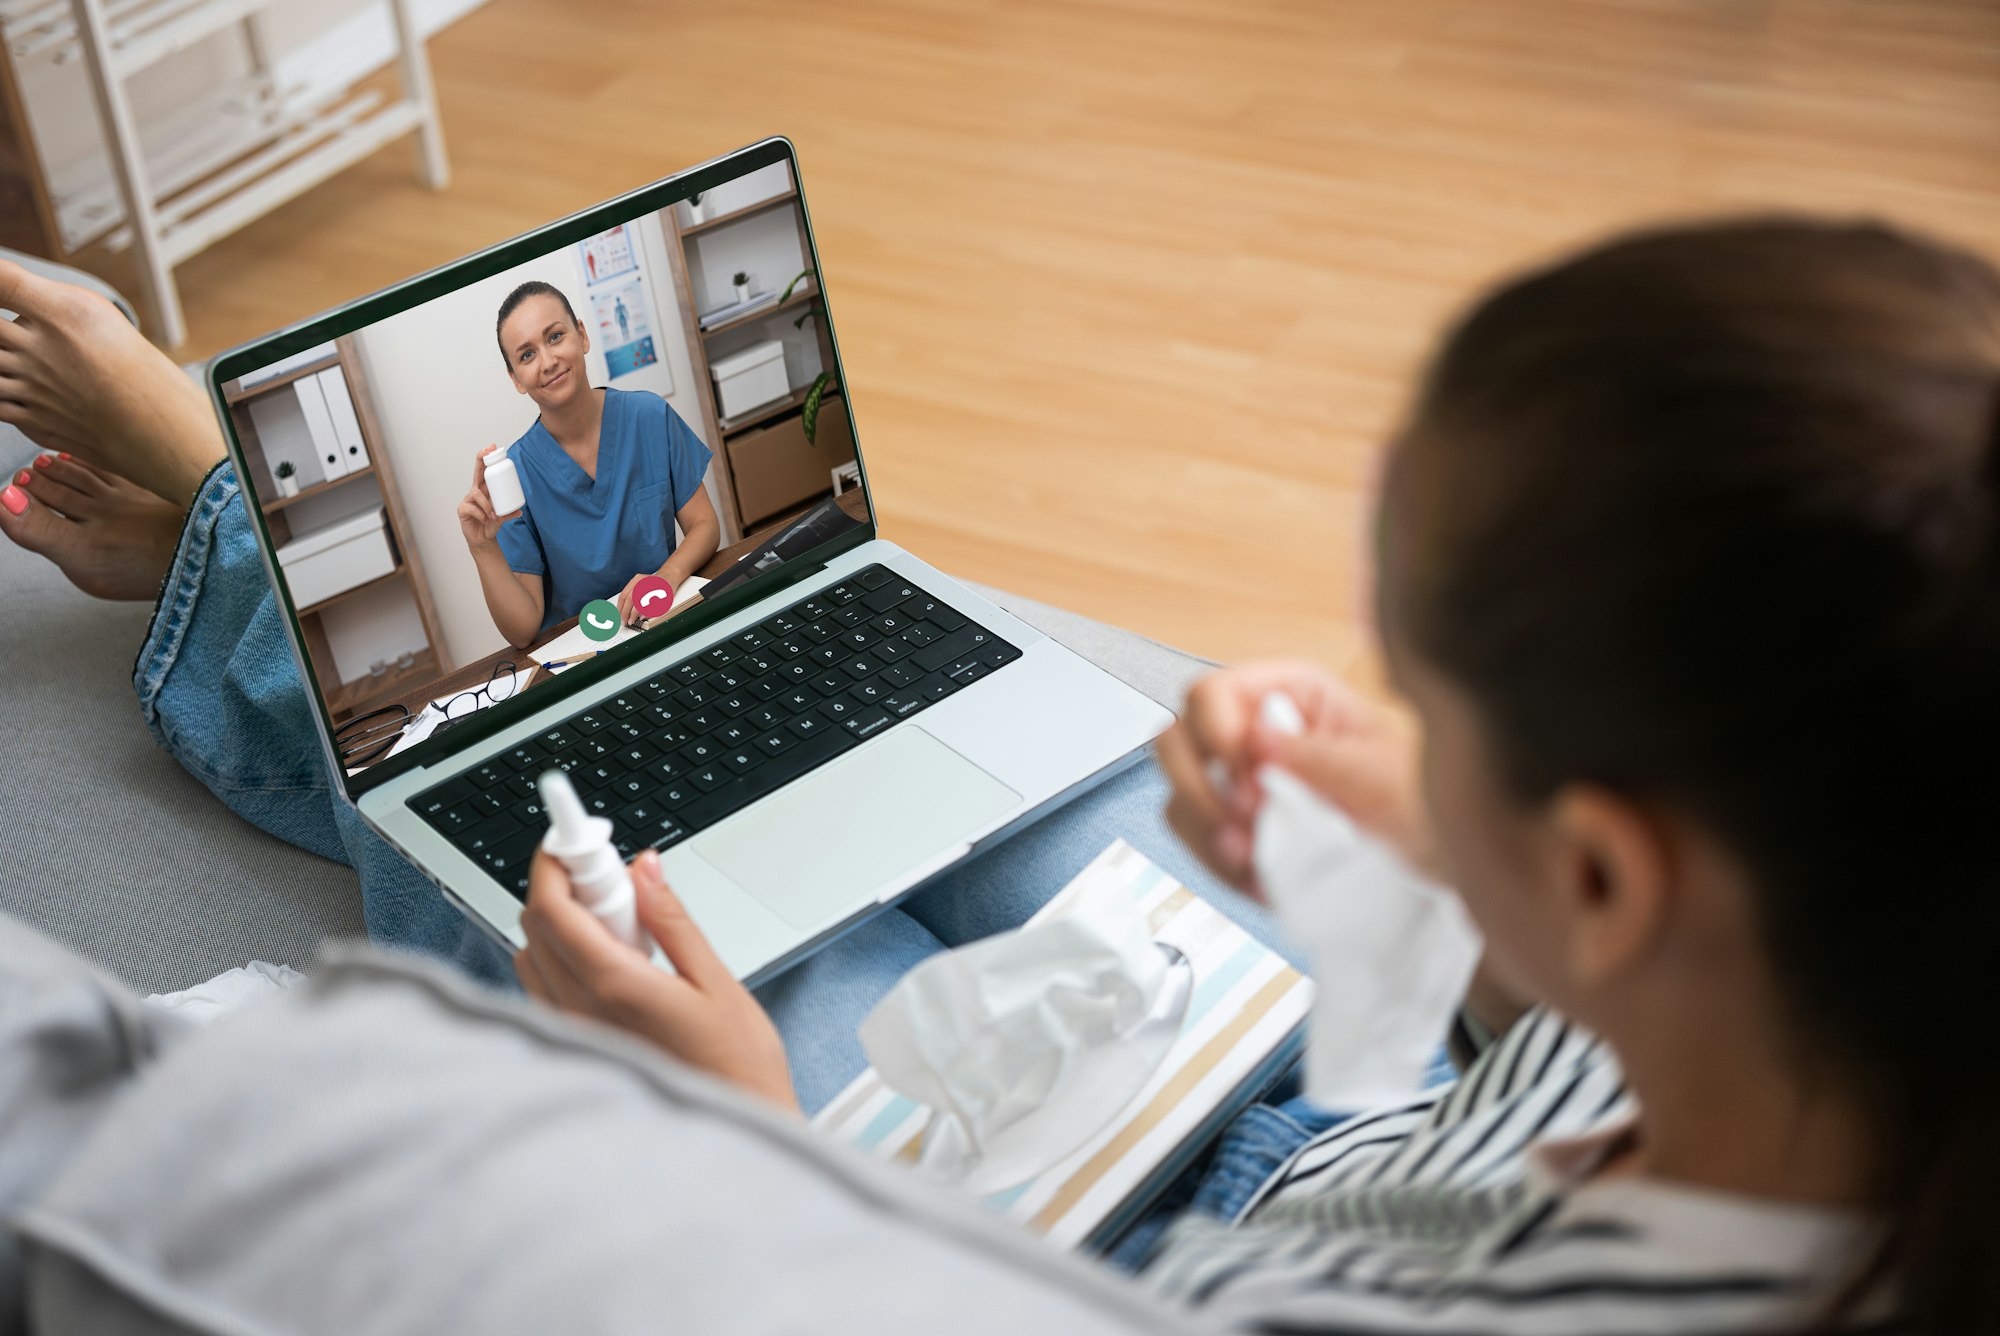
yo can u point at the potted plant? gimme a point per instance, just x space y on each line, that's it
695 211
742 285
288 478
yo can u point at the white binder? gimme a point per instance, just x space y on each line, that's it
346 426
319 424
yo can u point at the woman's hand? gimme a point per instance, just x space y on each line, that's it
627 597
700 1015
1356 754
477 519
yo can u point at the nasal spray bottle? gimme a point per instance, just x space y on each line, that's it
582 843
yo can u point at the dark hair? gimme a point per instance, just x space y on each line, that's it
1711 516
534 287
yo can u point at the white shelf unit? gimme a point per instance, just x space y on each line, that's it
184 181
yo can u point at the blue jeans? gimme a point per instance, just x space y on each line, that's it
219 688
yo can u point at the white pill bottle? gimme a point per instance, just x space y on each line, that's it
503 483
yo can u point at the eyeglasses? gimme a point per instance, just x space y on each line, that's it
368 737
499 686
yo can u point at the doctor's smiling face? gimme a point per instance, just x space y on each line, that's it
543 344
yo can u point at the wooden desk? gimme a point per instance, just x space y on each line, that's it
477 673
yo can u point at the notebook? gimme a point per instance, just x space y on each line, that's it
1244 1028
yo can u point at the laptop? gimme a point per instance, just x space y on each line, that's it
824 726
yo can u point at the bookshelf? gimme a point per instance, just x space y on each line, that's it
764 465
359 490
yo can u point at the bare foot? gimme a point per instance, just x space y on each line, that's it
76 376
111 538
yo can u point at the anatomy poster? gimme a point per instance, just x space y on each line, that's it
623 326
607 255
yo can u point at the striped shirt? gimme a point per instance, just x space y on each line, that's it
1475 1209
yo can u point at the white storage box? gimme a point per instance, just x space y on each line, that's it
746 381
334 559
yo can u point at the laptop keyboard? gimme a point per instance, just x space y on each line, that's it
717 731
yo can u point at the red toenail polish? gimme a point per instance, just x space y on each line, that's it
42 461
15 501
23 477
62 454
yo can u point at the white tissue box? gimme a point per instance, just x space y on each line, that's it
337 558
748 380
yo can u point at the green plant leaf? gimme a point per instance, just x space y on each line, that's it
809 418
786 295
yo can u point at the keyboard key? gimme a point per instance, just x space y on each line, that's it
764 688
891 594
488 833
813 609
891 650
452 820
868 723
775 741
594 777
806 725
600 804
999 654
709 777
702 721
699 752
843 593
819 632
634 729
925 608
874 577
891 623
590 721
667 834
798 670
827 655
740 760
904 703
590 749
849 617
858 639
830 684
861 667
901 675
689 673
620 706
689 697
957 671
937 688
958 645
663 713
971 675
839 709
920 634
768 716
736 703
676 795
800 698
656 688
719 656
667 769
733 735
782 625
751 639
557 740
791 646
728 679
486 776
632 786
636 755
758 663
869 693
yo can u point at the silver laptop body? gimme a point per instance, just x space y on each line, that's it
774 880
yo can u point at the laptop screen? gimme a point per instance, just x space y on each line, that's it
486 487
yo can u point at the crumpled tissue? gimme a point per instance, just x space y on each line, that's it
210 1001
1026 1044
1391 952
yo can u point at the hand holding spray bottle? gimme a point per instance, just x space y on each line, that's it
582 844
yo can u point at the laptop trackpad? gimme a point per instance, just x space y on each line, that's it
829 843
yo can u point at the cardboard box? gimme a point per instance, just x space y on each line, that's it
773 467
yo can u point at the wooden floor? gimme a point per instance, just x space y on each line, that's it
1131 290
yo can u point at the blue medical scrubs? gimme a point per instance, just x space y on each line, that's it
586 537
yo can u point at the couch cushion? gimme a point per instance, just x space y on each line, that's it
70 1038
389 1149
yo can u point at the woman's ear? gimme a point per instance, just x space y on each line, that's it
1613 875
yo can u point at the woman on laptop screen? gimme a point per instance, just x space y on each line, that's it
605 475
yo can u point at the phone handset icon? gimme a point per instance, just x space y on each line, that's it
599 619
